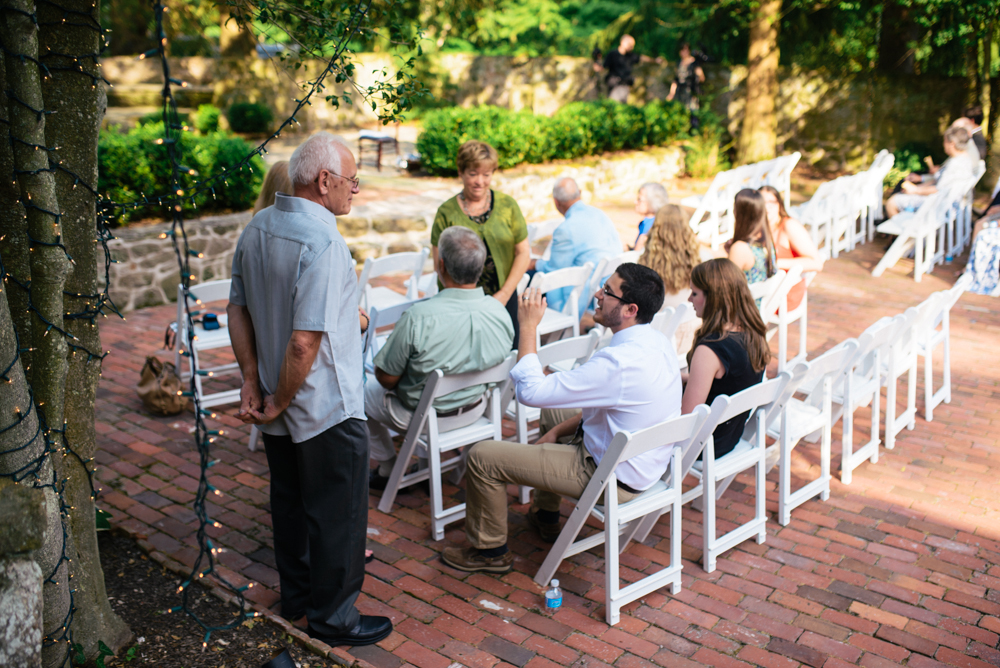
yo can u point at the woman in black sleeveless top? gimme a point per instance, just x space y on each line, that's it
730 351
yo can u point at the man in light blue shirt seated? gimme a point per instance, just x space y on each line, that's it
458 330
586 235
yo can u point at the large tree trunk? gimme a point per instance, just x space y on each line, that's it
48 267
47 209
79 102
234 40
985 91
758 137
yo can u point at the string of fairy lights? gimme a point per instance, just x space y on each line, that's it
36 472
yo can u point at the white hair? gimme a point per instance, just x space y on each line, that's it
656 195
565 190
318 152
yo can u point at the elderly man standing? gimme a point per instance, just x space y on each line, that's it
460 329
295 329
586 235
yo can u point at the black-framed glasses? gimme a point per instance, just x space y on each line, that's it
607 293
355 182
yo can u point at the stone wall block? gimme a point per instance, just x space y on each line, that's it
353 226
22 531
384 225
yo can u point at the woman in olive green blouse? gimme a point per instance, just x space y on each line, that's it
496 218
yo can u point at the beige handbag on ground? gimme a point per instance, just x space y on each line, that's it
160 388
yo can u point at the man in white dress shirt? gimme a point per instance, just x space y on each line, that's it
632 384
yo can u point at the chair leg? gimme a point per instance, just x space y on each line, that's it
929 381
611 528
784 476
847 442
946 356
893 254
708 520
911 394
890 408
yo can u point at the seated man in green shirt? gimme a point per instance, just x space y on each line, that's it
459 329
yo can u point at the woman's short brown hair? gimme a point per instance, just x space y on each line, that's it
476 154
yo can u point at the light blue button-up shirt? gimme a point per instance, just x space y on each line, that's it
292 270
587 235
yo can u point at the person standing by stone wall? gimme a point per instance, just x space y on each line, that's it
618 66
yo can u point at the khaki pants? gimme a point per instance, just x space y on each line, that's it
553 469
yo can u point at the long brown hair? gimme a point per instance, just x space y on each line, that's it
750 225
672 250
276 180
729 307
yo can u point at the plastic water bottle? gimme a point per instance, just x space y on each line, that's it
553 597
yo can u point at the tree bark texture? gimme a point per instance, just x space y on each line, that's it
79 102
53 101
758 136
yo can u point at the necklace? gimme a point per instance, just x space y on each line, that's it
482 207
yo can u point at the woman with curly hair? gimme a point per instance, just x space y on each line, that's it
730 351
672 251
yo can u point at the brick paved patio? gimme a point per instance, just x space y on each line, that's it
900 568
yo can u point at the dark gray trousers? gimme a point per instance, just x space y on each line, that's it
319 507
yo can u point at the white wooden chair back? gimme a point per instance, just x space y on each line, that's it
763 290
379 318
717 474
608 266
541 230
623 522
576 278
412 262
669 319
438 436
934 329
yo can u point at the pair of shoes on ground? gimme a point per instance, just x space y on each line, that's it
471 560
380 482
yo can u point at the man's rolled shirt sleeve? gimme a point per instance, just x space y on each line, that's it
395 354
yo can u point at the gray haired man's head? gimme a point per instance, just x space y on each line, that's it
565 193
656 196
957 136
463 254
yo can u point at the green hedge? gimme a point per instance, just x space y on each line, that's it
250 118
576 130
132 164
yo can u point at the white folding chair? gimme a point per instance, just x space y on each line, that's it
606 267
959 229
380 318
802 418
917 231
783 317
935 330
623 522
861 386
715 475
575 278
875 186
766 289
817 216
779 175
379 296
902 360
204 339
541 230
669 319
438 437
710 218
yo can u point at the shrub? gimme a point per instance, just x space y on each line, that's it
250 118
157 117
577 129
206 119
132 165
909 158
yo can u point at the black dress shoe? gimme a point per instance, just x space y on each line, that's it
376 481
368 631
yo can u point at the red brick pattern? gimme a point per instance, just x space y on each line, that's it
900 568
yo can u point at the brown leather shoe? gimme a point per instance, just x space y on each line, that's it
469 559
547 531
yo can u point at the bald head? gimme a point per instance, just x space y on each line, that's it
566 193
627 43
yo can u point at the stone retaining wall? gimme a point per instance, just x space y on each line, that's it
146 273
